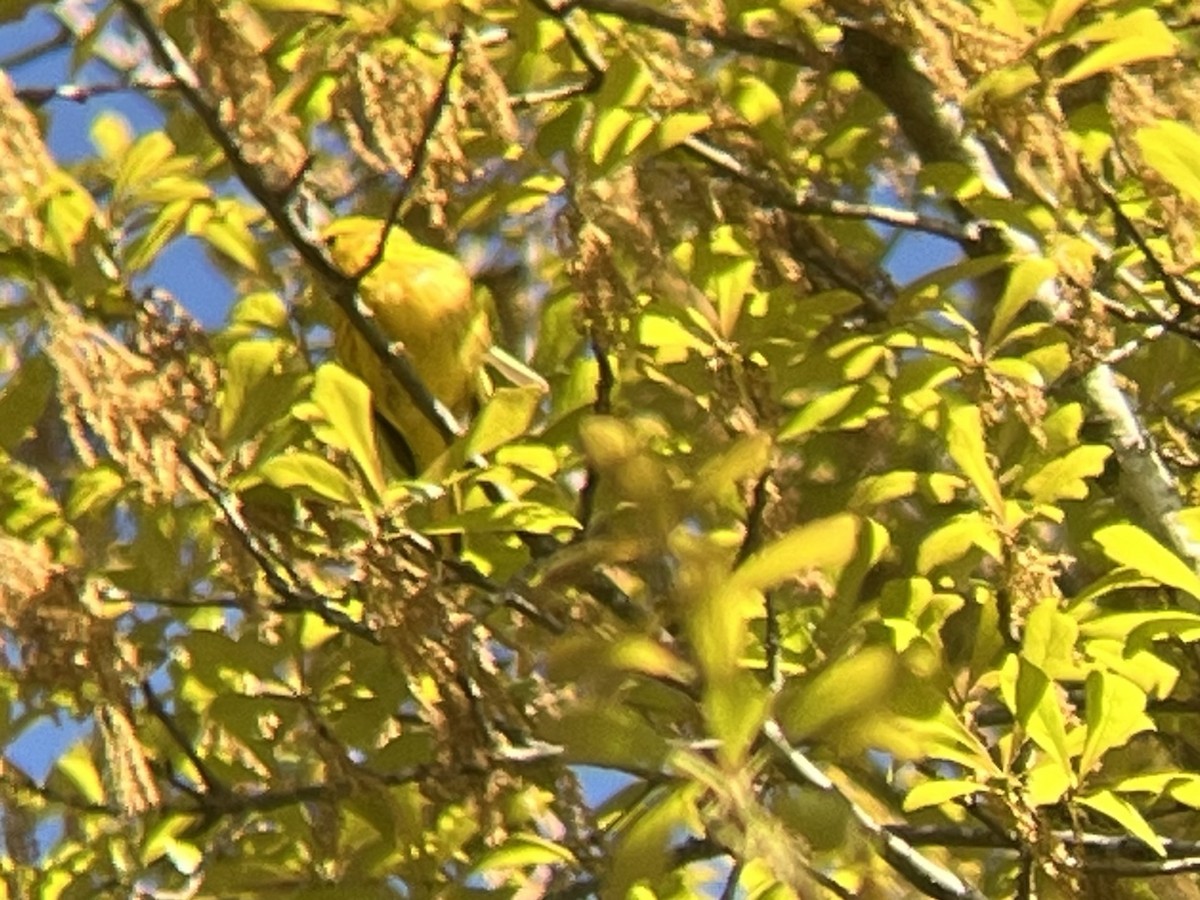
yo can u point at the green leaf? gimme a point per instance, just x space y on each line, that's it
1135 37
827 544
964 441
876 490
643 850
150 157
625 85
23 399
523 850
79 768
1131 546
1034 700
1173 150
94 490
1049 639
952 541
261 309
345 402
607 735
227 232
847 690
1065 478
735 708
756 101
507 416
308 474
144 249
819 411
247 401
1024 282
67 215
721 478
1124 813
1116 711
939 791
618 133
508 517
1059 14
678 127
111 135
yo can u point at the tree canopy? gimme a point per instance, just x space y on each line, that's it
842 541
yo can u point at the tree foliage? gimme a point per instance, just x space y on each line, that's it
851 551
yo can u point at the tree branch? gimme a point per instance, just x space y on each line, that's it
925 875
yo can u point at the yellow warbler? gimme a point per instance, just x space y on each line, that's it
422 298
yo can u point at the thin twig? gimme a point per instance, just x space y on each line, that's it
211 783
806 203
416 167
82 93
284 582
928 877
1169 282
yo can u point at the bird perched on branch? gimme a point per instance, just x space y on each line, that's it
422 298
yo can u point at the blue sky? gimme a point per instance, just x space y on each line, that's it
183 268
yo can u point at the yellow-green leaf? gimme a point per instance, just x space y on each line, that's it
1173 150
827 544
523 850
1131 546
1116 711
1024 282
309 474
939 791
77 765
965 443
507 416
1124 813
1065 478
1135 37
818 411
678 127
345 403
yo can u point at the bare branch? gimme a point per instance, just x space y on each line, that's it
280 578
212 784
805 203
925 875
416 166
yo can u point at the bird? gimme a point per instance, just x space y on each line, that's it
424 299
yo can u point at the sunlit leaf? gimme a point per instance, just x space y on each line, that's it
1125 814
965 441
1132 546
825 544
939 791
1024 282
1137 36
77 765
1173 148
345 403
308 474
522 850
1066 477
1116 711
506 416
